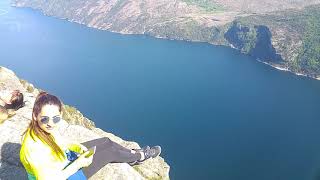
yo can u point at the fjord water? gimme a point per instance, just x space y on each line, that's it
216 113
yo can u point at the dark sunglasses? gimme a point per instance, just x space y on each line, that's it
46 119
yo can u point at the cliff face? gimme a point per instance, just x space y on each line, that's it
256 40
253 40
12 129
279 33
288 39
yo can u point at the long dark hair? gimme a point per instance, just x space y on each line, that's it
34 129
16 100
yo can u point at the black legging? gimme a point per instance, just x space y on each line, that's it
107 151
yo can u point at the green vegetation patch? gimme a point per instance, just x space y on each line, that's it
242 36
309 58
207 5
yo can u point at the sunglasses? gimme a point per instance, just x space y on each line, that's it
45 119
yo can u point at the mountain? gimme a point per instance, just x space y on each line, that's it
284 34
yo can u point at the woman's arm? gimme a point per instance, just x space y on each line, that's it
43 168
42 171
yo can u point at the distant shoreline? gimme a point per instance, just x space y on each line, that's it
286 70
161 37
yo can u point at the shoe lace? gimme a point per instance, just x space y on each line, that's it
149 153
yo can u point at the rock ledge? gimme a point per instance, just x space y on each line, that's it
77 128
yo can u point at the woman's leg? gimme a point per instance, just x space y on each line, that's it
108 151
106 143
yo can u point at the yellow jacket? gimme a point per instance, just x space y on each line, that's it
39 160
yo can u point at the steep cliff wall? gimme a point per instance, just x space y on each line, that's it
288 39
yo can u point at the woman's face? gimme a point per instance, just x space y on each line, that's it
49 113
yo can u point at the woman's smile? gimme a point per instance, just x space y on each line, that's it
49 127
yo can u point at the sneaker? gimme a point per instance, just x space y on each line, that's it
151 153
134 163
143 149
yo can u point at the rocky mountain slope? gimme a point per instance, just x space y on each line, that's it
287 39
285 28
76 129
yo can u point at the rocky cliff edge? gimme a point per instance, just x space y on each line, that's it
75 127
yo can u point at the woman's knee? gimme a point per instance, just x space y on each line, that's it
103 140
107 140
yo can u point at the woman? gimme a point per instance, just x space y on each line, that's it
45 156
9 102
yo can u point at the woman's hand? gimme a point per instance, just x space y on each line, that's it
78 148
84 161
83 149
79 163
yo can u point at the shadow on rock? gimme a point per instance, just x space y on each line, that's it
10 165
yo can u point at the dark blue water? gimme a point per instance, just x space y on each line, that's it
216 113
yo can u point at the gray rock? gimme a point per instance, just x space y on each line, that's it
12 129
